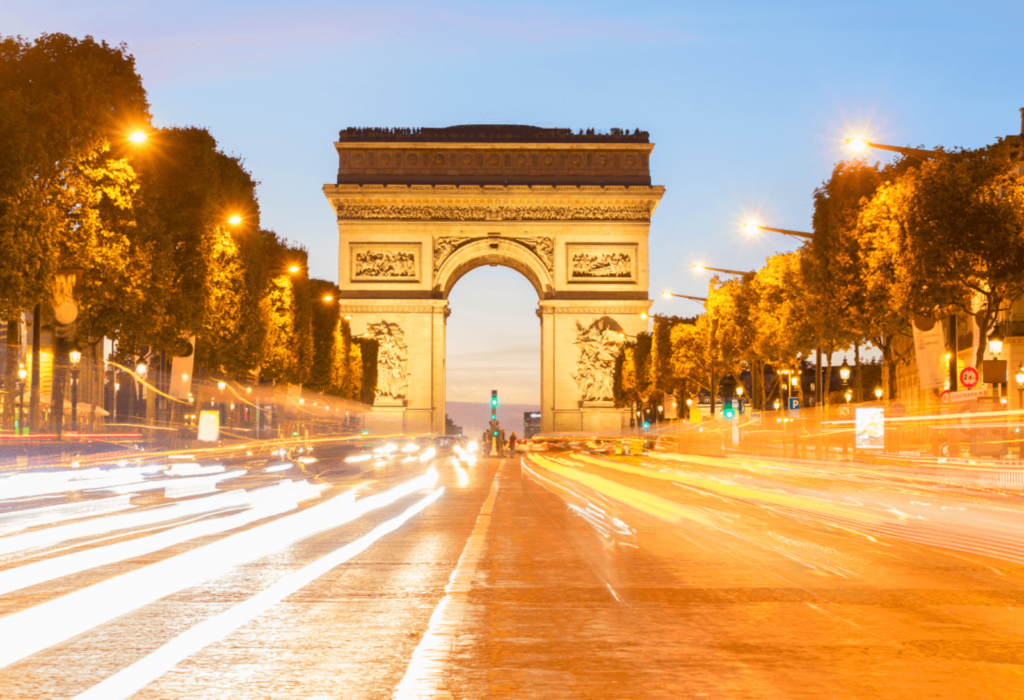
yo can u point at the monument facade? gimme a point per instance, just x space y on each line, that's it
419 208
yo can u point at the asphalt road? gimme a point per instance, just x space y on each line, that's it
560 576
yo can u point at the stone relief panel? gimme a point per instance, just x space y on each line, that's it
601 263
599 345
627 212
388 263
542 246
392 362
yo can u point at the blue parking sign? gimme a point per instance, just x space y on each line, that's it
794 403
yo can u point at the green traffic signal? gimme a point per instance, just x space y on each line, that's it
727 411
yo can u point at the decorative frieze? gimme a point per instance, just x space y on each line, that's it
443 212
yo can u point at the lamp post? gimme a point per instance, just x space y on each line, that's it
76 358
22 375
117 388
859 144
697 267
752 227
878 393
667 294
995 346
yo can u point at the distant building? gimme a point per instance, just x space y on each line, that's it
531 424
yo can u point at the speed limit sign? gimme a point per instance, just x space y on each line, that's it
969 377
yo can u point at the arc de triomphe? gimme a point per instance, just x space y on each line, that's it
419 208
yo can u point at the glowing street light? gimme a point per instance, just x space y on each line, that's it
752 227
844 371
878 392
697 267
667 294
234 219
859 145
293 269
328 297
222 385
141 369
137 136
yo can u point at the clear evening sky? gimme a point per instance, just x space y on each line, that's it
748 103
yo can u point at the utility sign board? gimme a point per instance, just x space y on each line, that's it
794 403
969 377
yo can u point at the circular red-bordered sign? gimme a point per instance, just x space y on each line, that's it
969 377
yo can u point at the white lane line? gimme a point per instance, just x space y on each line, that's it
58 620
128 680
280 500
431 656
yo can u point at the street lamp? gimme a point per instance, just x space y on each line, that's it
697 267
1020 386
848 395
776 404
752 227
328 297
878 393
234 219
844 371
221 385
76 357
667 294
137 136
293 269
141 369
995 342
858 145
117 388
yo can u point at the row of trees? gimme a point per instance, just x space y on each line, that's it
165 227
915 239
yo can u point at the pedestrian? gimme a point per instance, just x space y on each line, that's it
512 444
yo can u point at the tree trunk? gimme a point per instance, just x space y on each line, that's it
858 383
826 387
11 372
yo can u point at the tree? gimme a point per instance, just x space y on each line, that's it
948 236
631 383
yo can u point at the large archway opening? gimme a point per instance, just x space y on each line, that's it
493 342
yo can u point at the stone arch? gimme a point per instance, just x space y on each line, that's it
493 251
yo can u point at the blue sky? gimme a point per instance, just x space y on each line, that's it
747 102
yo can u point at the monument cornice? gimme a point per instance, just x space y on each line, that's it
490 146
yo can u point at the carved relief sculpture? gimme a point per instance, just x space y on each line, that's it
371 263
392 361
602 265
599 346
445 246
543 247
631 212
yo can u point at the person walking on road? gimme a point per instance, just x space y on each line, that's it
512 445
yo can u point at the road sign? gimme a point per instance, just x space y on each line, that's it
794 403
969 377
844 411
962 396
897 409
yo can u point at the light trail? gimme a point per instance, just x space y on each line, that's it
127 681
33 517
55 621
102 526
280 500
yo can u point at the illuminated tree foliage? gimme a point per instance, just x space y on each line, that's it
949 235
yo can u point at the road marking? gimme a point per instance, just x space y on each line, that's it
431 655
127 681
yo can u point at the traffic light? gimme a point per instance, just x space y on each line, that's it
728 412
494 399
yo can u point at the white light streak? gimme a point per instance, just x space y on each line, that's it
55 621
428 454
126 682
278 468
24 519
101 526
270 501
